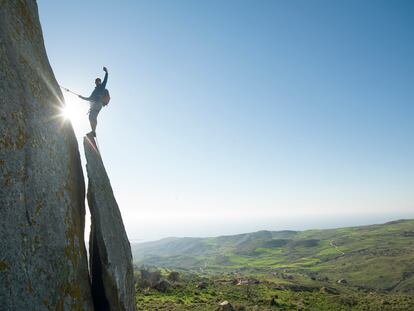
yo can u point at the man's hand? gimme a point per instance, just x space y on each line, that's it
105 69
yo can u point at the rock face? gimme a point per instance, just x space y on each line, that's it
43 262
110 252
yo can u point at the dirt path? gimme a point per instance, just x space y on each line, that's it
332 243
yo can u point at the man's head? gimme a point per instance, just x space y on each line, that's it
98 81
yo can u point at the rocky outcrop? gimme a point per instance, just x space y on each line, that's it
43 262
109 249
225 306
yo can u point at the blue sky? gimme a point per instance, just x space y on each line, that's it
232 116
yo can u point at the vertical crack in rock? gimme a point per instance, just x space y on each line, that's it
110 251
43 262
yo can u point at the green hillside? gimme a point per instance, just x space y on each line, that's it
375 257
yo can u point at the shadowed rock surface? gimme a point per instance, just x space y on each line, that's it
110 251
43 263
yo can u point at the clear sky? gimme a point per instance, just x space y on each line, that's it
235 116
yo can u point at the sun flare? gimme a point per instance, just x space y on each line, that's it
71 111
68 113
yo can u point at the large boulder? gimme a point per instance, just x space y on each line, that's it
163 286
43 262
110 252
225 306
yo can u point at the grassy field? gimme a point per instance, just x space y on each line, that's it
358 268
247 293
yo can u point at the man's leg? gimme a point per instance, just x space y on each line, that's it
93 117
94 122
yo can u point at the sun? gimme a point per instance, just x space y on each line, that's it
74 111
71 111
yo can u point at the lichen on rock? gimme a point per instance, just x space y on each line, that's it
43 262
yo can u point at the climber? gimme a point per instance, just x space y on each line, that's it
97 100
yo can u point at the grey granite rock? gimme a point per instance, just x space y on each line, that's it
43 262
110 252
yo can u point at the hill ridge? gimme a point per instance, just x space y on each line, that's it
362 254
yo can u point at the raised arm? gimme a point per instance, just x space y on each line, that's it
106 78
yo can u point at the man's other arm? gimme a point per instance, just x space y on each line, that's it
84 98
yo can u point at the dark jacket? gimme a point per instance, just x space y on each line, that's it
98 92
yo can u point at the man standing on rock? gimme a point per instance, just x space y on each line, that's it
96 100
